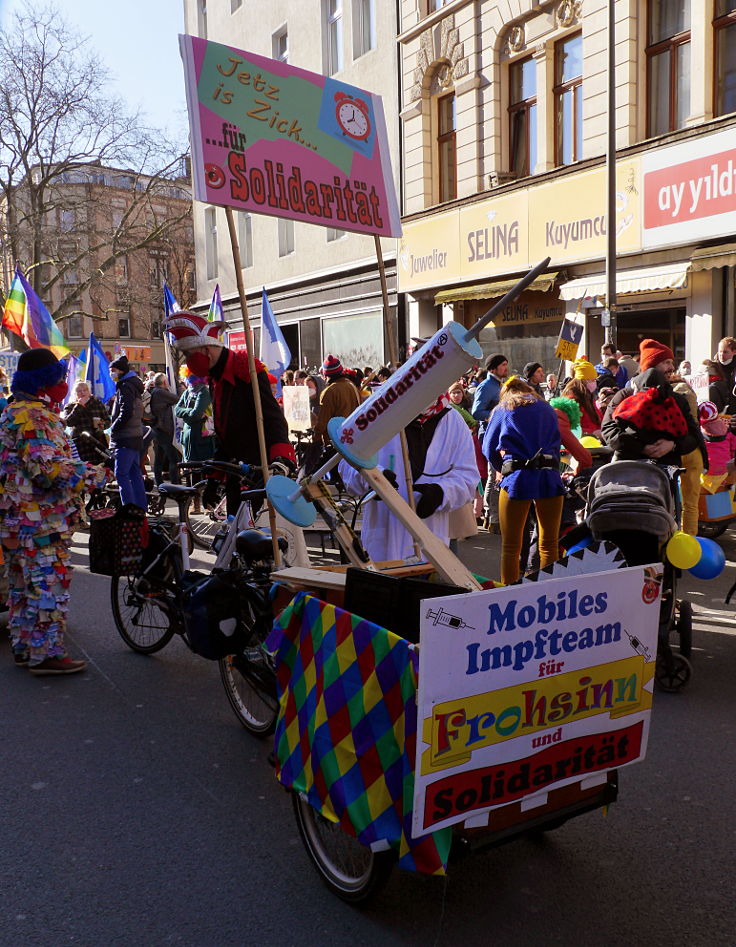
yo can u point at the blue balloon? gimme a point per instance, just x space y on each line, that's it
712 560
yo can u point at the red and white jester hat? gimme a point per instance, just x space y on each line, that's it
190 330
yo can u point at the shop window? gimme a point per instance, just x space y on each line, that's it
446 154
523 116
310 342
668 66
568 93
332 15
724 26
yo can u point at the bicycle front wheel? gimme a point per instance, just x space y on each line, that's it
203 526
143 624
349 869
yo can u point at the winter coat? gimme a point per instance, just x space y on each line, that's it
235 414
162 401
80 418
339 399
450 453
629 441
191 408
521 433
126 428
485 399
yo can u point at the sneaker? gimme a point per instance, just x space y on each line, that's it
57 666
21 659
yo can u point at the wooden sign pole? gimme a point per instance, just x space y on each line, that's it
253 377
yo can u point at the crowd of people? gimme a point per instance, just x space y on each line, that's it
496 451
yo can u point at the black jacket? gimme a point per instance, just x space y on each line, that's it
126 429
629 442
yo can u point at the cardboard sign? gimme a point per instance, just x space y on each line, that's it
9 363
569 340
296 407
530 687
273 139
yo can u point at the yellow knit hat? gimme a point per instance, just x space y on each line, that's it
584 370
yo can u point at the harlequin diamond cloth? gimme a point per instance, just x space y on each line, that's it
346 731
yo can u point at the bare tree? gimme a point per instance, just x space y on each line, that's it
67 149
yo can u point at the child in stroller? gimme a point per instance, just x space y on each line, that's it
635 505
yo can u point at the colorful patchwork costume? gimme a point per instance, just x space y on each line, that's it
40 495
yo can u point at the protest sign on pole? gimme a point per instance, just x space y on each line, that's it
296 407
530 687
270 138
569 340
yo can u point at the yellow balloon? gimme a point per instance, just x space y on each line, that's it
683 550
590 441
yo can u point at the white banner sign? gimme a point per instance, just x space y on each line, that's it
296 407
530 687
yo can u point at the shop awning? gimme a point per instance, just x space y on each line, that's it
542 284
708 258
646 280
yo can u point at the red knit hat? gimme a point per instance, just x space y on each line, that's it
190 330
651 353
332 366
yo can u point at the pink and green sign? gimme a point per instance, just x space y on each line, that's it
273 139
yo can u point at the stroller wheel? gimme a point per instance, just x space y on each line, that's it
672 672
684 626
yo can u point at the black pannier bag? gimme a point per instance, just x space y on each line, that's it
117 539
213 622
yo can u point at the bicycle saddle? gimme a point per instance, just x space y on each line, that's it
253 544
175 490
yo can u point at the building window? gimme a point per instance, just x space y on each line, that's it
568 93
156 269
202 18
210 242
447 165
333 29
668 66
433 5
124 327
523 116
364 27
155 329
286 236
245 239
75 327
725 70
334 234
235 5
66 220
280 45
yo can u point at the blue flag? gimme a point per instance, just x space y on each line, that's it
275 353
170 304
98 375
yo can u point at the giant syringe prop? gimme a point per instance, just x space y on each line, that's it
409 390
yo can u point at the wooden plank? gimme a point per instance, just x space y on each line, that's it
317 578
446 563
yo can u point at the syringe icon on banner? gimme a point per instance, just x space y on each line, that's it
441 617
638 646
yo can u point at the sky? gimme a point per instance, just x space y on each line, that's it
138 42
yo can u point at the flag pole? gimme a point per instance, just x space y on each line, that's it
394 357
253 376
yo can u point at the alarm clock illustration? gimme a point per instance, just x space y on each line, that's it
352 116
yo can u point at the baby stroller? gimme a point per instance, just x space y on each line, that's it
635 505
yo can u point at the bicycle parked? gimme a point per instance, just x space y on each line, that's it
224 616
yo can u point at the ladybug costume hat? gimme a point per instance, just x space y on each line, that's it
191 331
37 369
653 410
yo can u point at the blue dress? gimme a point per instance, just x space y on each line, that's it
521 433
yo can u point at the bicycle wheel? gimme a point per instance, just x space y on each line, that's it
143 624
349 869
250 684
203 526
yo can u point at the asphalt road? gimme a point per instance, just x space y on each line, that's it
134 810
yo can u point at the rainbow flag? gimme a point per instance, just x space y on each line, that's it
26 316
346 732
215 311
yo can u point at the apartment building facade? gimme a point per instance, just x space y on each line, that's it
323 283
504 121
104 243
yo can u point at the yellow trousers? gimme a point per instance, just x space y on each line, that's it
512 515
690 488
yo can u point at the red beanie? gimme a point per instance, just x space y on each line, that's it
651 353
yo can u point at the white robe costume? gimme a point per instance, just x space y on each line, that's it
450 455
